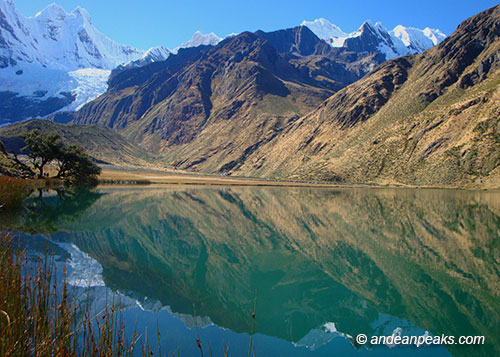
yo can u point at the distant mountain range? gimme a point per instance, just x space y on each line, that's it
60 61
374 37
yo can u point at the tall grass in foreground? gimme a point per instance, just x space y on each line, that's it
39 318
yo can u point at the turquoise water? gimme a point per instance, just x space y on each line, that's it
324 264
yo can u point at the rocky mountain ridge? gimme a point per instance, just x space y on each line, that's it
236 96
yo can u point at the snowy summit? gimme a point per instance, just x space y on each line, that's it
199 39
56 39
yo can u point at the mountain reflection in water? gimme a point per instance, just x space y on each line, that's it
324 263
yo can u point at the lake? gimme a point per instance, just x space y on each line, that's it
320 265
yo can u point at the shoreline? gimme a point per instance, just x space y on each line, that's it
121 176
145 177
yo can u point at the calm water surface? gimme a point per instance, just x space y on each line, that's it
325 264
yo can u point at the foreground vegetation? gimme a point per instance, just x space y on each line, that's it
102 143
26 297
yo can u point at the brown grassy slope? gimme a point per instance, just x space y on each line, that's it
432 119
170 103
212 111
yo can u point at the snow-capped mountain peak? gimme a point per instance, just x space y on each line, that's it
403 34
324 29
199 39
203 39
54 57
55 38
59 57
374 37
83 13
155 54
417 40
435 35
51 12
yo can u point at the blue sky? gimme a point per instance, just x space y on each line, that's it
149 23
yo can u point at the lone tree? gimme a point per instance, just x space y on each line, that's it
73 164
42 148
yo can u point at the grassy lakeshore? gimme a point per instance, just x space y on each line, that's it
13 191
113 175
120 175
